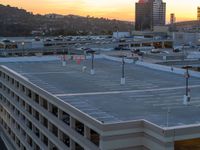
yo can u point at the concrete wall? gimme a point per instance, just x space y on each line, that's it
168 69
156 66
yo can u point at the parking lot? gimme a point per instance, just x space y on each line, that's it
148 94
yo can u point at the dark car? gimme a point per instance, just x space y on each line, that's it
6 41
176 50
138 52
118 48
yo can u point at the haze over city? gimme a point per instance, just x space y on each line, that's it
118 9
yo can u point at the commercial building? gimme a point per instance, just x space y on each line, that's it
119 35
186 38
159 13
149 13
143 18
44 105
198 13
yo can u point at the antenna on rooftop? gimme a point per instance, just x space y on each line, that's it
92 52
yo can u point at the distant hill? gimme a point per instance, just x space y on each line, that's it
19 22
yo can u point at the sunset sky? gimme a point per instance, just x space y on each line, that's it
119 9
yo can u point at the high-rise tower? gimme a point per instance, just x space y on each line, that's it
149 13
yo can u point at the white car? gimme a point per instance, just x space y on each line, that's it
155 51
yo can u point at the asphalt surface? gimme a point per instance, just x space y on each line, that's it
148 94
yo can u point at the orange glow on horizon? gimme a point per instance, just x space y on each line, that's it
112 9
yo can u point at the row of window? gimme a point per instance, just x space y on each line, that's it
63 137
15 125
79 127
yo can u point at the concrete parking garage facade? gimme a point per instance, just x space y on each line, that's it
33 118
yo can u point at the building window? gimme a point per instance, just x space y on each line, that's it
45 140
23 103
94 137
29 125
54 110
17 84
37 98
29 94
79 127
65 118
37 115
78 147
29 109
53 129
17 98
44 103
36 131
45 122
13 81
23 88
29 141
65 139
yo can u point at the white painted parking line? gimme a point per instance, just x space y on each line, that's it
97 113
89 109
44 73
166 104
130 91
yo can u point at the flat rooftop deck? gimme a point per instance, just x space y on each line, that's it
148 94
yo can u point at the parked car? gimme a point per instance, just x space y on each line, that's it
117 48
176 50
155 51
6 41
126 48
138 52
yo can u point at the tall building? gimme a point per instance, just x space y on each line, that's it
149 13
198 13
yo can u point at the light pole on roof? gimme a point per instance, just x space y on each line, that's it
187 97
92 52
23 48
123 80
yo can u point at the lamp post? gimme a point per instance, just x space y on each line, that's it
23 48
92 52
43 34
186 98
123 80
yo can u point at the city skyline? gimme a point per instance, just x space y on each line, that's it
149 14
113 9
